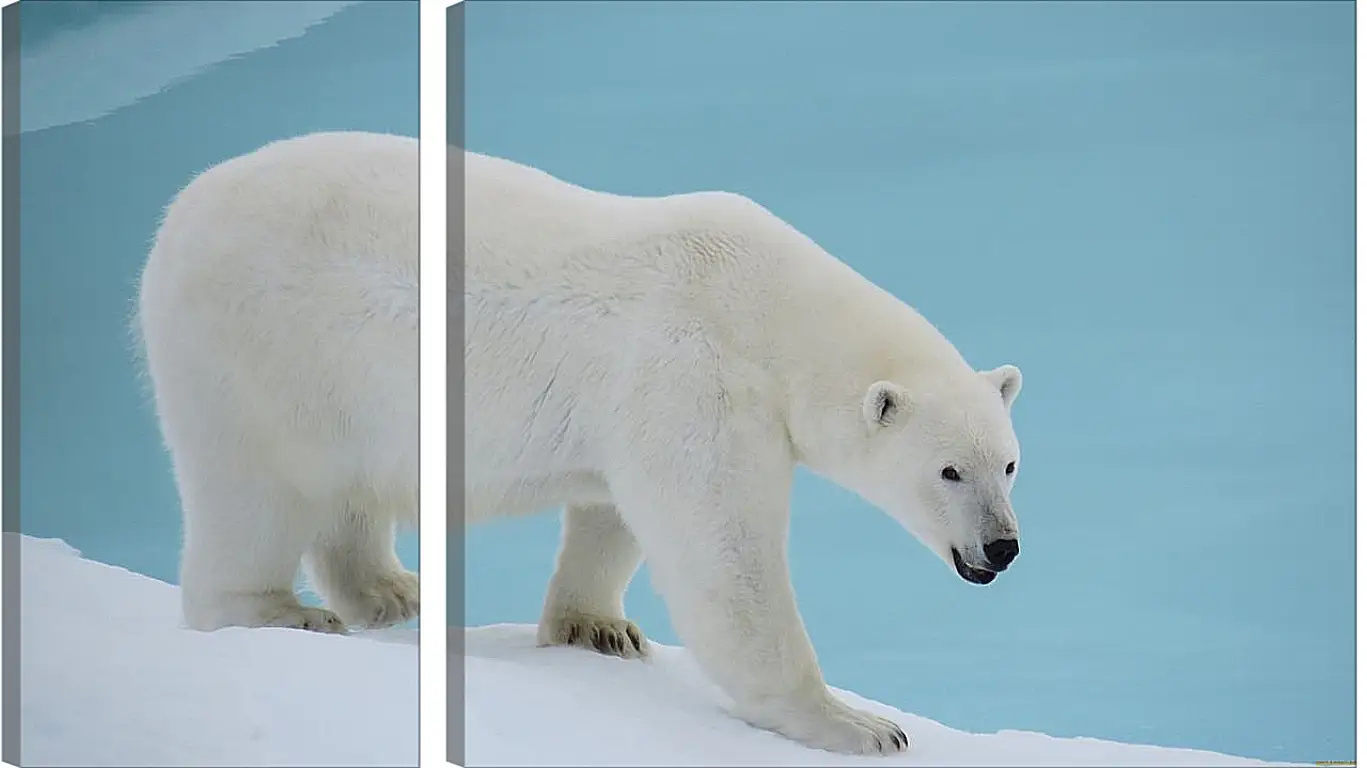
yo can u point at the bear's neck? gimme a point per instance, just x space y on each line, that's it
841 334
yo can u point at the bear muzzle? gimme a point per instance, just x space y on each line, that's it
998 555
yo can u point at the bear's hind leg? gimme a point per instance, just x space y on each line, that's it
244 537
355 569
598 556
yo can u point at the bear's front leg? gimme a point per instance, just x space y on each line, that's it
713 525
598 556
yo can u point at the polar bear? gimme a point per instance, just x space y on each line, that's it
278 313
658 367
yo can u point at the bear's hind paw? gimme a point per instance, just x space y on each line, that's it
309 619
384 599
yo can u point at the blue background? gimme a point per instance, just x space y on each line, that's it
1148 207
121 105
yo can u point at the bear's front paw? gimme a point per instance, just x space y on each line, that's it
606 635
389 598
832 725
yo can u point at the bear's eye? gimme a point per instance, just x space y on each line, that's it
1011 468
951 474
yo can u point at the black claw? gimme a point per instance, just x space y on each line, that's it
605 640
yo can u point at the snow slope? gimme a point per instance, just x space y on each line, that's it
526 706
110 678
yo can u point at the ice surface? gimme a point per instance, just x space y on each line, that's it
528 706
110 677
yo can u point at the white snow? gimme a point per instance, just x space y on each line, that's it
528 706
109 677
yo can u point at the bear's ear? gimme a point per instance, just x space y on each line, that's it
884 404
1007 381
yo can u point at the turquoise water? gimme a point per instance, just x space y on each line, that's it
122 103
1148 207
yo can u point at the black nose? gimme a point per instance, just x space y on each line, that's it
1001 552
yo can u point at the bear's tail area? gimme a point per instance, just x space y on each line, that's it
137 340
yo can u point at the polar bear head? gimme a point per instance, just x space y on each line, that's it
942 461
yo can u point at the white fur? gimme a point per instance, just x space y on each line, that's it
659 366
279 316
